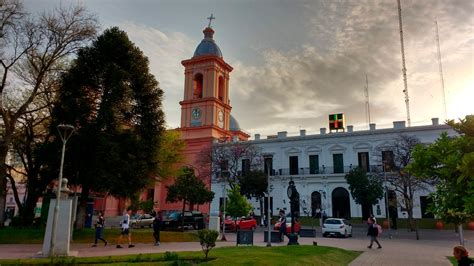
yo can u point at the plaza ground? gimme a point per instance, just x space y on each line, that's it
402 249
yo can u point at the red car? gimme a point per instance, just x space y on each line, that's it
288 225
243 223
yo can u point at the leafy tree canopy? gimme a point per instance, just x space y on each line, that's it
114 103
237 205
449 161
253 184
189 189
365 189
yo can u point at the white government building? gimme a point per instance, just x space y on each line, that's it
318 164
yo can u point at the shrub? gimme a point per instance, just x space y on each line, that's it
207 238
170 256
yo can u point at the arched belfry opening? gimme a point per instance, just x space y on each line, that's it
221 88
198 85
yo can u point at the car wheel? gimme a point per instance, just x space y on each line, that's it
325 235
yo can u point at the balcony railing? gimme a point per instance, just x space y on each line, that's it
323 170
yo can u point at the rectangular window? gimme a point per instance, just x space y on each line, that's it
424 203
265 205
313 164
245 166
363 161
151 194
293 165
387 161
268 166
224 168
338 163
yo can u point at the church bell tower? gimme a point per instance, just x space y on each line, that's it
205 109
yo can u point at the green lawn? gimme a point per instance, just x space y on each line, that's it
283 255
10 235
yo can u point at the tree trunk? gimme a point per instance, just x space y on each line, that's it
461 234
182 215
367 210
411 224
30 204
82 208
3 181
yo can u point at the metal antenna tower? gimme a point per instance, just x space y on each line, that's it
367 104
441 72
404 70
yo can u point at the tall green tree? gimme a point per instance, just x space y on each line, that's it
189 189
254 184
170 154
114 102
403 182
365 189
237 204
450 162
33 51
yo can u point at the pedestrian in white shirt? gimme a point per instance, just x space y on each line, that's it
125 225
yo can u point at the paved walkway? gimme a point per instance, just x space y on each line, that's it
402 249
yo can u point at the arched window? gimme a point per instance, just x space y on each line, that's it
198 81
221 88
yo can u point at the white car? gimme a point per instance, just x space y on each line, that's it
337 227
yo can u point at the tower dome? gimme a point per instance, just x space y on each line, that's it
208 46
234 125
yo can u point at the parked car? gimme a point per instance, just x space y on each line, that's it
288 225
141 221
242 223
337 227
174 220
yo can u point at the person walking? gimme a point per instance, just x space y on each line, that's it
282 224
373 232
99 227
369 220
125 224
462 256
157 227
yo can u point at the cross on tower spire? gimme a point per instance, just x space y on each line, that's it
210 20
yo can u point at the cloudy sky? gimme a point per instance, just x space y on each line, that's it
295 61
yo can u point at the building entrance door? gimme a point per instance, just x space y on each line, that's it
341 205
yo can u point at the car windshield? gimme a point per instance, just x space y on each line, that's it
331 221
173 215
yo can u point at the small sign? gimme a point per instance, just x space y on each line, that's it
245 237
336 122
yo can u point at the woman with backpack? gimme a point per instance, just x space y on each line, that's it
373 232
99 227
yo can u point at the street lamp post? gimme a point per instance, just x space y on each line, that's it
65 132
294 197
387 209
223 238
269 240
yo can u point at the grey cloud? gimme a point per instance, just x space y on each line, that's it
351 38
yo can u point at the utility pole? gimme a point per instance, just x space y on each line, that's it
269 220
404 70
367 104
441 72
